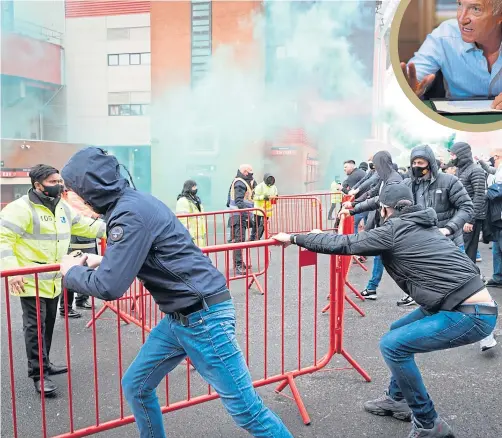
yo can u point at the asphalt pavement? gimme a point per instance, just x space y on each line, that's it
464 383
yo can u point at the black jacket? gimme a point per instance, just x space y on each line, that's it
442 192
363 185
386 174
352 179
473 178
145 240
494 212
240 190
425 264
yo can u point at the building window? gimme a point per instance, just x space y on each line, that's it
201 38
113 59
121 59
126 109
135 59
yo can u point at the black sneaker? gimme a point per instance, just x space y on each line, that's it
369 294
492 283
386 406
406 301
71 314
84 305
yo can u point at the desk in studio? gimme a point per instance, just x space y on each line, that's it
475 119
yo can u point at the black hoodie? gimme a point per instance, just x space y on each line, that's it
442 192
145 240
472 177
425 264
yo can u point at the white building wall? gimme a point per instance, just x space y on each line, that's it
88 42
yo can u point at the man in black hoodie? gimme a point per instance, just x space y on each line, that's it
456 308
147 241
387 174
474 180
440 191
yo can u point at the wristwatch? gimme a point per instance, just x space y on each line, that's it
292 238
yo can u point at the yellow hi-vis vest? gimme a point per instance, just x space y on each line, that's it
248 196
260 192
336 197
30 235
196 225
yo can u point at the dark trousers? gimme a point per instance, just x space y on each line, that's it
471 240
237 234
258 227
333 206
71 297
48 312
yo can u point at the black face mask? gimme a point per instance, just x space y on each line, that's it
419 171
52 191
372 166
193 192
270 182
492 161
454 161
250 176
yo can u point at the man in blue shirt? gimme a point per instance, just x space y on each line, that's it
466 51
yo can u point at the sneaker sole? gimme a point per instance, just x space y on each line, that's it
370 297
402 416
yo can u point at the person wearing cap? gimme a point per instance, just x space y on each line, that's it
147 241
387 174
455 307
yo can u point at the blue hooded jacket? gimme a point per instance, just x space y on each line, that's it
145 240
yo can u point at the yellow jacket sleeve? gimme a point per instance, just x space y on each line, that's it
15 220
84 226
183 206
258 193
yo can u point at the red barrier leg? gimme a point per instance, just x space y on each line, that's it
356 366
356 292
364 268
290 380
107 305
355 306
255 281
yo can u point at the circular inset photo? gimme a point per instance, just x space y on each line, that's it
447 58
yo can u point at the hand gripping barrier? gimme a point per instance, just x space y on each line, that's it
289 340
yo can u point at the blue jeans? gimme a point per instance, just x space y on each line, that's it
208 339
422 332
376 275
357 219
497 261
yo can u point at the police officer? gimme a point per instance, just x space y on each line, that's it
456 308
34 230
147 241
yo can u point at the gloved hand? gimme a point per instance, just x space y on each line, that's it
266 198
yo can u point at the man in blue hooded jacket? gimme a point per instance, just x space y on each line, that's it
146 240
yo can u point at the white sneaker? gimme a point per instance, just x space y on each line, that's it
488 342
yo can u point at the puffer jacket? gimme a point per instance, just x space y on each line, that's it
442 192
472 177
425 264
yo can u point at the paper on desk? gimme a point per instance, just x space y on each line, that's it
464 106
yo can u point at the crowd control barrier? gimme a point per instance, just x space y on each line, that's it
329 202
295 214
281 335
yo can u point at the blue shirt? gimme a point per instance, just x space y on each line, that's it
464 68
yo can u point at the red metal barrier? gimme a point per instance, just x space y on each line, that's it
329 202
296 214
286 316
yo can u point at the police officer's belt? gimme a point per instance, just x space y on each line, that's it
211 300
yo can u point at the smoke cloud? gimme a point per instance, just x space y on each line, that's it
309 69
